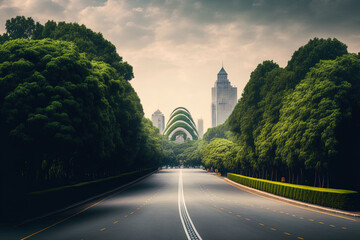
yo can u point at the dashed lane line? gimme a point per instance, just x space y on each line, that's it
259 223
275 210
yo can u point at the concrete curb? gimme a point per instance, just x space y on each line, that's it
89 199
292 201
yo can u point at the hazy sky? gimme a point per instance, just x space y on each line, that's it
177 46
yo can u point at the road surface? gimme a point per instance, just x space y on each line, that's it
187 204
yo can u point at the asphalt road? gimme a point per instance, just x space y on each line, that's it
187 204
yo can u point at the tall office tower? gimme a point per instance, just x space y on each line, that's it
200 129
158 120
224 99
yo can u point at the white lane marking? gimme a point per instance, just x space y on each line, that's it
188 225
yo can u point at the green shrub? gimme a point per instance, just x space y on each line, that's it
329 197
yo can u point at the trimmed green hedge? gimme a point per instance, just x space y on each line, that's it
41 202
334 198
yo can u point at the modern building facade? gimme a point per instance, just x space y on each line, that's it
158 120
224 98
181 126
200 128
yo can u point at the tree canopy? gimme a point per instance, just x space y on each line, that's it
93 44
299 122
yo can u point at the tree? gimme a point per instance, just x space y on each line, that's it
62 114
20 27
317 125
314 51
248 113
221 131
268 142
4 38
93 44
220 154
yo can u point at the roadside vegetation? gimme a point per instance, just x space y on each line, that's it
300 123
68 113
329 197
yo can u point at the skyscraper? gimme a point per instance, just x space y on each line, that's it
200 126
158 120
224 98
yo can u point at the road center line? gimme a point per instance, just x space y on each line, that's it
188 225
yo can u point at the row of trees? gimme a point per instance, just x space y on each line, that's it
67 110
92 44
300 122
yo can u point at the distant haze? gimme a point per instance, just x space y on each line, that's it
177 46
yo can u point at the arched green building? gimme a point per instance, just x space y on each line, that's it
181 124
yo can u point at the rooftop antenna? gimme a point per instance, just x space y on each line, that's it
222 63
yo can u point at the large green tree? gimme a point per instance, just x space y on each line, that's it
20 27
93 44
64 116
256 117
319 122
220 154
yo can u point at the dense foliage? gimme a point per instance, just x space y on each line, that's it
67 112
294 120
300 122
93 44
66 117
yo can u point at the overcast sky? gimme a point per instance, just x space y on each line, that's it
177 46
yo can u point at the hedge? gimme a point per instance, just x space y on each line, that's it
42 202
334 198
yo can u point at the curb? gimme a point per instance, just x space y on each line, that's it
87 200
292 201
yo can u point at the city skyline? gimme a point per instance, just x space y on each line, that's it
177 47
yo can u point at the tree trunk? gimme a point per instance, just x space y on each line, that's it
297 178
266 174
272 173
289 176
315 179
328 182
323 180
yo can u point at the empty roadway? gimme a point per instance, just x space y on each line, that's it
187 203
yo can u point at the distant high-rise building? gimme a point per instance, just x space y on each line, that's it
158 120
200 126
224 99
